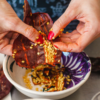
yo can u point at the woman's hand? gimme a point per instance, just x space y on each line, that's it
9 22
88 13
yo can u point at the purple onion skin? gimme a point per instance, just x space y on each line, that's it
77 61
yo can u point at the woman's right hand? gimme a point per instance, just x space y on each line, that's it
9 21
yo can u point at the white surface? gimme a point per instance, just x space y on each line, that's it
38 99
93 50
8 97
1 58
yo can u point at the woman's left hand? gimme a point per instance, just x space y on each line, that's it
88 13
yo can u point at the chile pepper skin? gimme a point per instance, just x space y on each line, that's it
30 54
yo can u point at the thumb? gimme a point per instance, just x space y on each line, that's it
61 23
26 30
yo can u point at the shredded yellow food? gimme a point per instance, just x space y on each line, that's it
51 77
49 52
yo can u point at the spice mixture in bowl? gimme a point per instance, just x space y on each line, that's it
52 78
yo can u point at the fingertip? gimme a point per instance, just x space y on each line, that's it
27 30
55 46
56 30
50 35
64 47
39 39
60 45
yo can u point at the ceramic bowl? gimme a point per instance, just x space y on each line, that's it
77 64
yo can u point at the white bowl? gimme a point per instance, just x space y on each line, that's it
73 61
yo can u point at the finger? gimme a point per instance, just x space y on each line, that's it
78 45
3 34
7 50
15 35
64 40
89 34
11 41
26 30
4 42
5 47
72 34
85 40
69 37
80 28
9 34
62 22
66 47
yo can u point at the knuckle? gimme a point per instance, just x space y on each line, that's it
28 34
58 23
13 22
70 12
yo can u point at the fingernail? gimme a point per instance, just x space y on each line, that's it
39 39
50 35
56 46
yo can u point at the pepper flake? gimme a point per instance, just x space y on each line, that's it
37 37
59 35
23 61
13 55
67 82
47 23
67 32
38 53
39 31
62 30
31 47
41 44
53 38
35 44
30 14
58 60
15 51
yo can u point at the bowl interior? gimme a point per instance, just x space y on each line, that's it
15 72
78 64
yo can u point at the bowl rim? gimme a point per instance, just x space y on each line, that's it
42 93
